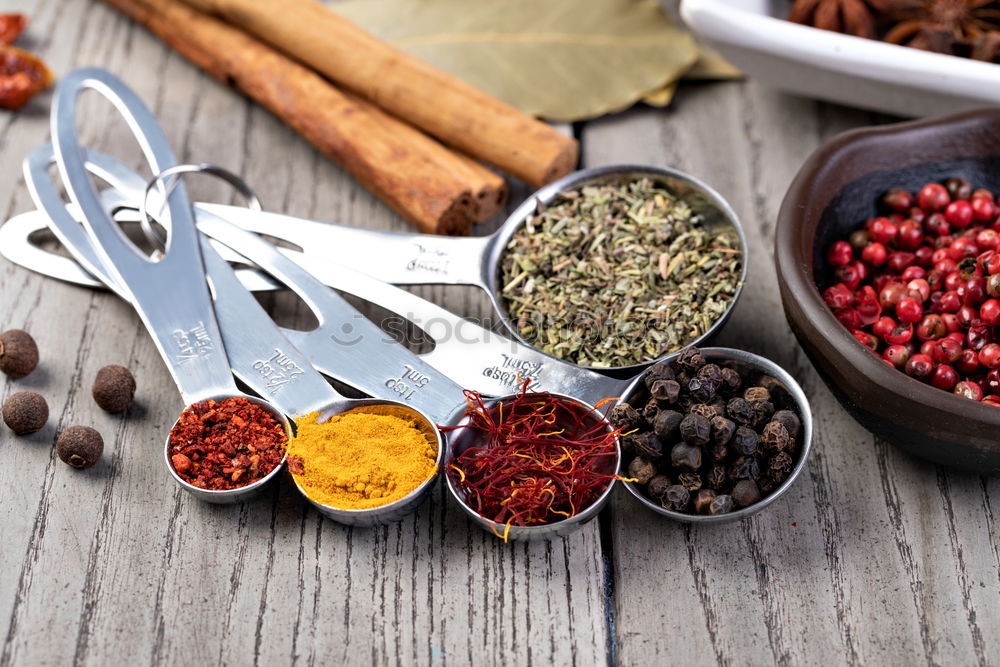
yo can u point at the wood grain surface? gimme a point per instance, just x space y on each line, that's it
872 558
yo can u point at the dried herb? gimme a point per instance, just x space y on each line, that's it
617 274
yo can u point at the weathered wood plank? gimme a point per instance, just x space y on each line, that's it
864 561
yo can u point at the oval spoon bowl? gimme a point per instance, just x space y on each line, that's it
746 363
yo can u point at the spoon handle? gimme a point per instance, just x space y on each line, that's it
472 355
259 353
171 295
346 345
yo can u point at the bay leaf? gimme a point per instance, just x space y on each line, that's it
563 60
661 97
711 66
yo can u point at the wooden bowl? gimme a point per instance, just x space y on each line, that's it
835 191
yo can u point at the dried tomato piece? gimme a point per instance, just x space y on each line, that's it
11 27
22 75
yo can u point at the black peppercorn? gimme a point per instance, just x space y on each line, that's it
775 438
114 388
745 467
641 470
689 480
745 493
702 500
658 372
716 478
690 360
740 411
685 457
25 412
711 373
767 484
722 430
703 409
721 505
80 446
757 394
666 424
701 390
762 411
731 382
657 487
780 465
745 441
676 498
18 353
696 430
779 394
650 410
719 406
623 416
790 421
665 391
717 452
648 446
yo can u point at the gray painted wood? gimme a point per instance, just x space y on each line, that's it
872 558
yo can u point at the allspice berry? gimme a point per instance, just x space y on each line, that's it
25 412
18 353
80 446
114 388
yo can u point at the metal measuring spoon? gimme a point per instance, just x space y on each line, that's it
425 387
406 258
473 356
330 308
183 325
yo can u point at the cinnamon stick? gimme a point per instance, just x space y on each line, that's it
437 102
423 181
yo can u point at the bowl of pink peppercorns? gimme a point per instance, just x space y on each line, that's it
888 256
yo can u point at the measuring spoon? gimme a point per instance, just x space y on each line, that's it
472 355
261 357
233 303
422 386
170 295
406 258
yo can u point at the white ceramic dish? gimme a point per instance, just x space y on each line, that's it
840 68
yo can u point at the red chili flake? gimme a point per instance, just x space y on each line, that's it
11 27
226 444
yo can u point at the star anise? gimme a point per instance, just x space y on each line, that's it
854 17
968 28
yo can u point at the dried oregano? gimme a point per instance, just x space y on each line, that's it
617 274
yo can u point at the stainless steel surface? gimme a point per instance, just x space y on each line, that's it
402 258
182 321
754 363
170 295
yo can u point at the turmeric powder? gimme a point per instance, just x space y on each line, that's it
362 458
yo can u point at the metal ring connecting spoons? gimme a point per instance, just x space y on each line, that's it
167 180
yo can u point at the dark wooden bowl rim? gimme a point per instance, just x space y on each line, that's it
867 381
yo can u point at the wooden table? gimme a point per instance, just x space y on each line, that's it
873 557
